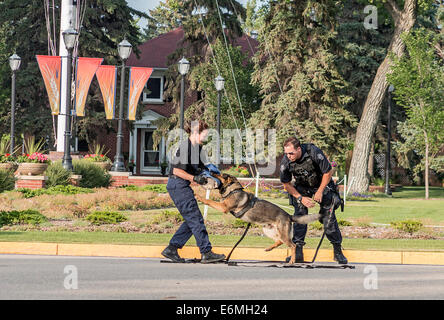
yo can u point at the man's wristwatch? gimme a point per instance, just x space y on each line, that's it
299 199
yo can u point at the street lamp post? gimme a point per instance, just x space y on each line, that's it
69 37
219 83
14 63
184 67
124 49
388 191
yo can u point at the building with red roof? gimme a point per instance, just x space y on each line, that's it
138 142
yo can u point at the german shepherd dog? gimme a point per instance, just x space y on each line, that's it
244 205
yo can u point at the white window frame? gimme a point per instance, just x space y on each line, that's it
146 100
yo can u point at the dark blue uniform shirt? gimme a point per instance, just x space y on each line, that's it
316 154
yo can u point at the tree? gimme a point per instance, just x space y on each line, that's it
202 28
167 16
302 89
403 18
23 29
359 52
419 81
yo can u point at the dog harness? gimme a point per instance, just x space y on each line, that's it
244 210
238 188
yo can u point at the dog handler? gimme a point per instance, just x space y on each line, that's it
185 169
312 173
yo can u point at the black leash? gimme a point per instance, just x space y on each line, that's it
323 234
245 232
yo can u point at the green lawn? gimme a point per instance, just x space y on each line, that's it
407 204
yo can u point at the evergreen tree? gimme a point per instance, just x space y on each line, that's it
23 30
202 26
303 92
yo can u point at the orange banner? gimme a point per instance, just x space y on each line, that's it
86 68
137 80
106 76
50 67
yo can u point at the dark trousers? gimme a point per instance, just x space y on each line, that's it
183 197
329 221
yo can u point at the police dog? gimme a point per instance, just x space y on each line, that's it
275 221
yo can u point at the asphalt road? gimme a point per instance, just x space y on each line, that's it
55 277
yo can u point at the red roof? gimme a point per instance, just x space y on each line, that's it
154 52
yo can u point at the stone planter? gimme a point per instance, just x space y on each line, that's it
8 166
104 165
31 169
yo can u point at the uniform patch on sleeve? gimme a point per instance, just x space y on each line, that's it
282 167
320 156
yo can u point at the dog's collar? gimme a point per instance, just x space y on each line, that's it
235 187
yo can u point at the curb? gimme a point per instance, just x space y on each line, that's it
142 251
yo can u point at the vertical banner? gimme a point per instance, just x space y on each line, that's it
137 80
50 67
106 76
86 68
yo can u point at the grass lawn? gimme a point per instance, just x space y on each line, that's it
403 205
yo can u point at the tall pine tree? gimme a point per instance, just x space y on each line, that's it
303 92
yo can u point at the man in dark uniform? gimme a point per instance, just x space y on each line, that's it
312 172
185 168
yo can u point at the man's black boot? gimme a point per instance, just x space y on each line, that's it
170 252
299 254
338 255
210 256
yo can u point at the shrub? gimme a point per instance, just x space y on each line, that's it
57 175
21 217
159 188
344 223
65 190
238 223
167 216
316 225
92 176
237 171
7 180
409 226
105 217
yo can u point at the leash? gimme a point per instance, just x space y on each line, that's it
323 234
243 236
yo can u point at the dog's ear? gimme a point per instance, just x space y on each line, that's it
232 179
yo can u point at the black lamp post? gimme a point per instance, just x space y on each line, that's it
184 67
219 83
124 49
69 37
14 63
388 191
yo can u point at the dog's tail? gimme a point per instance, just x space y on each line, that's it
305 219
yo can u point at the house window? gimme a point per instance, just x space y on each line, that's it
154 92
